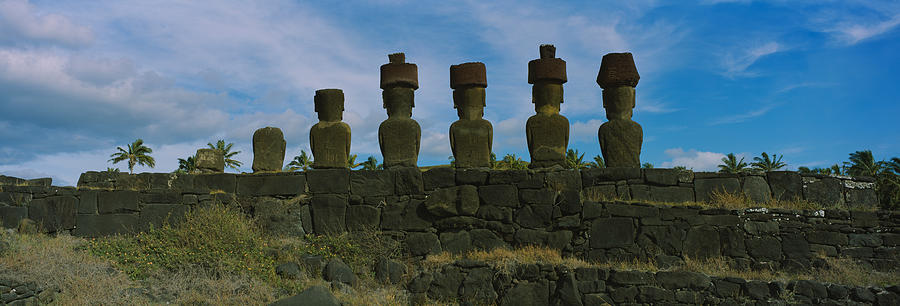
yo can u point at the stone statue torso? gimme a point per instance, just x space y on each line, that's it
470 141
399 140
548 136
330 144
620 141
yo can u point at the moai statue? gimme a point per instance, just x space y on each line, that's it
620 137
471 136
547 131
330 138
399 135
268 149
210 161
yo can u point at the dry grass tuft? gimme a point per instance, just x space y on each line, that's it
53 261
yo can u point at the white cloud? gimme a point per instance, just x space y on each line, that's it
693 159
737 62
743 117
21 22
852 34
585 131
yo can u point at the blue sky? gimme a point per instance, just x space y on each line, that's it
813 80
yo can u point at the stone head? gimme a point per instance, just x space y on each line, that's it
329 104
619 102
399 73
399 101
617 69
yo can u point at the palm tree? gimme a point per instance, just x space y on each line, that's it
372 164
226 152
680 168
511 161
112 170
765 164
300 162
351 161
863 164
493 162
187 165
575 159
647 165
598 162
732 165
137 154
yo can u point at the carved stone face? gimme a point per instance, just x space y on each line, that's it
547 97
469 102
399 101
619 102
330 104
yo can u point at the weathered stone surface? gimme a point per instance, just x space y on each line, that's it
124 201
456 243
363 217
328 180
104 225
268 149
454 201
314 295
328 214
494 213
54 213
499 195
508 177
389 271
785 185
661 176
758 290
527 294
537 196
795 246
702 242
862 197
407 180
159 214
671 194
765 248
486 240
210 161
289 270
477 176
271 185
617 69
534 216
825 191
446 285
420 244
337 271
633 277
704 188
283 217
631 210
600 193
591 177
810 289
655 294
439 178
757 189
612 232
530 237
621 139
11 215
567 289
220 182
825 237
682 279
371 183
329 139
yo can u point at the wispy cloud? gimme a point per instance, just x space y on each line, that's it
737 62
804 85
743 117
852 34
20 23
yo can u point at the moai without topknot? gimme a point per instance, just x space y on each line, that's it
268 149
399 136
547 131
620 137
330 138
210 161
471 136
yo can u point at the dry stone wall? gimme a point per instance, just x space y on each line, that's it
459 210
477 283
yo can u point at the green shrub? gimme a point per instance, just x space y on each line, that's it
214 238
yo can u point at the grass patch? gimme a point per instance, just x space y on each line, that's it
214 238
